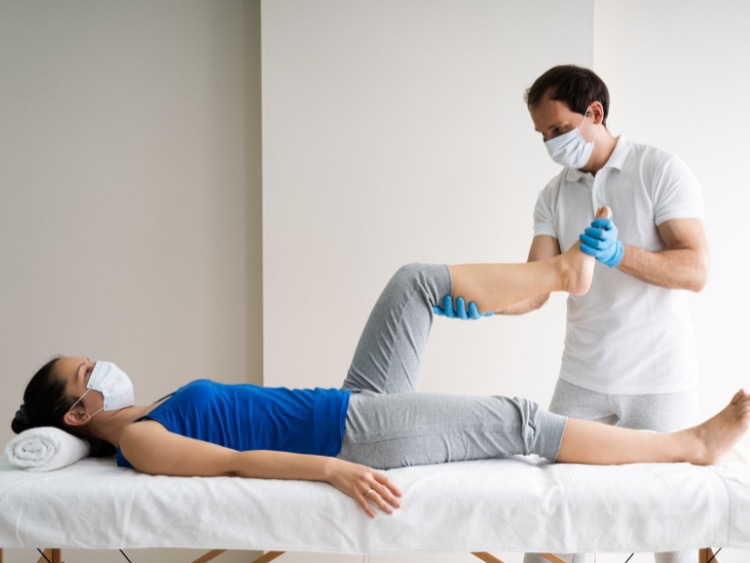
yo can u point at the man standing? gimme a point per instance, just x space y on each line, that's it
629 356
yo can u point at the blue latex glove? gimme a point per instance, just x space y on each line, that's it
600 241
460 312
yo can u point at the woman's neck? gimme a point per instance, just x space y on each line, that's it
108 425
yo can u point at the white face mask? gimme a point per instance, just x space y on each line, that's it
571 149
113 383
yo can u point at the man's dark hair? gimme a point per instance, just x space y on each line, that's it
576 86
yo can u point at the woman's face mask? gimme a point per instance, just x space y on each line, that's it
113 383
570 149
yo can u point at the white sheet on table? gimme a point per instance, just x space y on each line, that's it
514 504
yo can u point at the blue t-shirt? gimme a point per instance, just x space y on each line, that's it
248 417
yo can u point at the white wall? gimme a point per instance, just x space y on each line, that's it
679 80
123 196
395 131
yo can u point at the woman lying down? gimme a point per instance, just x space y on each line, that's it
375 420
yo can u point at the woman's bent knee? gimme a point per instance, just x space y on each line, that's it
432 280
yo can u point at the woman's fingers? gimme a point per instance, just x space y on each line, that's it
374 497
366 486
362 500
389 489
381 492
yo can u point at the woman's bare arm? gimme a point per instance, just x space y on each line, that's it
151 448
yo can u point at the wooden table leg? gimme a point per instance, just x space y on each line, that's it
213 554
270 556
52 555
486 557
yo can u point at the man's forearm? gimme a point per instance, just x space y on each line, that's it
674 269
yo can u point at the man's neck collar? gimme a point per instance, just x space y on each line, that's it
603 148
617 156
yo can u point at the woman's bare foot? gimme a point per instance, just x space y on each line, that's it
577 270
719 434
578 267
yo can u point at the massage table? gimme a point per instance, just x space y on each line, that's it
512 505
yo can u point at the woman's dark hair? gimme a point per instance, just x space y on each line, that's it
576 86
45 402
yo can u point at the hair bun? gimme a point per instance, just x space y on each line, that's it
22 415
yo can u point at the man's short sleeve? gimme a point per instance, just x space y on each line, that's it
677 194
544 223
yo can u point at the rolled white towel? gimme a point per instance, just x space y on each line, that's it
45 448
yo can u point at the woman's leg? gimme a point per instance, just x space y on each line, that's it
388 358
405 429
585 441
495 286
386 431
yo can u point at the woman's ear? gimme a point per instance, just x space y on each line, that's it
76 418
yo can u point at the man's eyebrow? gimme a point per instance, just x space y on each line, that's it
553 126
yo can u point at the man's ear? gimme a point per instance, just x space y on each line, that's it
597 112
76 418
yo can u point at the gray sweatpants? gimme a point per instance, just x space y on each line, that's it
388 425
664 412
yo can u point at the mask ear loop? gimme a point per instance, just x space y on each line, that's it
585 115
79 400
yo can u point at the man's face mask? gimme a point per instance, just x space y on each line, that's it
570 149
113 383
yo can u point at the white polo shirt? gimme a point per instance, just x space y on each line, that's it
625 336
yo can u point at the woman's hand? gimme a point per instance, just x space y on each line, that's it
153 449
365 485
